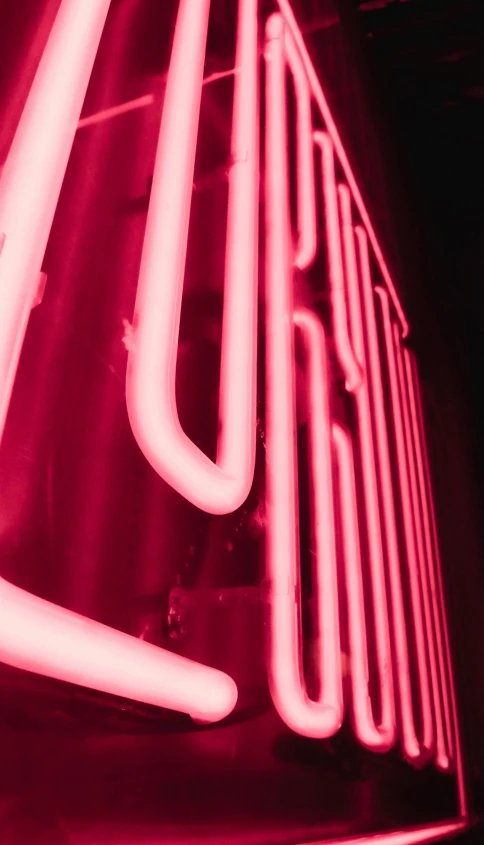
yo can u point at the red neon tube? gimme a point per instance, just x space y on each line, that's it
377 737
326 115
320 718
306 200
347 358
387 729
412 551
34 170
410 744
34 634
223 486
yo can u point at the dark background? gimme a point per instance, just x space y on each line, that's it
425 66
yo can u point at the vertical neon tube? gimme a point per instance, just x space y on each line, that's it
386 733
327 117
347 358
443 751
320 718
408 514
34 170
218 487
35 635
306 200
453 721
379 738
411 747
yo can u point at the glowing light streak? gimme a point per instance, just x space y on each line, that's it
318 95
320 718
218 487
408 514
115 111
36 635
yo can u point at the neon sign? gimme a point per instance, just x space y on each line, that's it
375 542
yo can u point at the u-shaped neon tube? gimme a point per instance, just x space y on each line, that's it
306 199
412 436
218 487
451 717
311 718
347 357
34 170
384 736
36 635
410 744
414 562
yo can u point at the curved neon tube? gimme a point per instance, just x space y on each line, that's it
347 358
378 738
310 718
306 200
410 744
41 637
385 736
36 635
442 705
218 487
412 550
327 117
453 722
34 170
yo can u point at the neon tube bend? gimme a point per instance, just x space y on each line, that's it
414 561
311 718
223 486
306 200
377 737
371 509
410 745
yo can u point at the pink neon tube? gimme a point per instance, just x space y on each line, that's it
441 757
38 636
410 745
442 704
33 173
222 486
441 597
347 358
318 95
386 734
306 200
379 738
320 718
414 562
